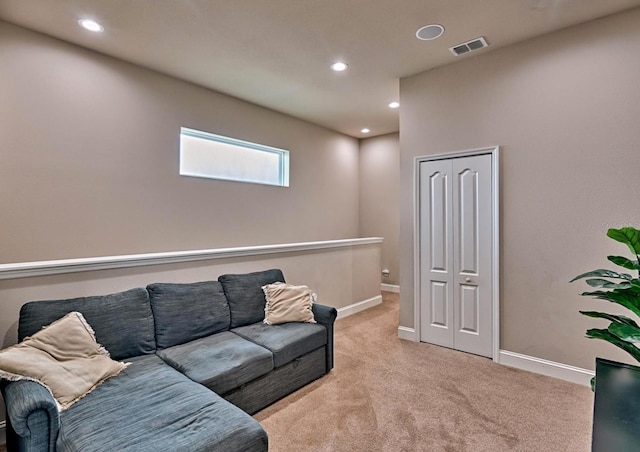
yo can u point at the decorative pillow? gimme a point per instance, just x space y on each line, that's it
287 303
64 357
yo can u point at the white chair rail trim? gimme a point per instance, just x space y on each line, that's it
43 268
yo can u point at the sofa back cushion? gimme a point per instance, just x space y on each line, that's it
245 295
122 321
185 312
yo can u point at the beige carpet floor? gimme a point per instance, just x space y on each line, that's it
385 394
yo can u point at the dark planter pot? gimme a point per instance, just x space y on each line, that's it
616 412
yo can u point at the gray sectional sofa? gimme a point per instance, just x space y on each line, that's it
202 362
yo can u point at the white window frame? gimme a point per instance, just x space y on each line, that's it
283 157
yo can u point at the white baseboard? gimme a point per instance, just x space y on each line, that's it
3 435
408 334
390 288
359 306
544 367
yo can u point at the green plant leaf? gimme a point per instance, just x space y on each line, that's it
622 331
629 236
606 335
624 262
613 318
603 273
634 286
605 284
627 298
592 382
625 332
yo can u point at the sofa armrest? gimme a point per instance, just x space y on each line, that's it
326 316
33 420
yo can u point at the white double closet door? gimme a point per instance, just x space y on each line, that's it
456 222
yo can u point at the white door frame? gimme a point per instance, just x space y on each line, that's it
495 245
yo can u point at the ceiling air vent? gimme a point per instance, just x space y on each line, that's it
468 46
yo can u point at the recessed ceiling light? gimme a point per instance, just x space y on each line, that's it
339 66
429 32
365 130
91 25
394 105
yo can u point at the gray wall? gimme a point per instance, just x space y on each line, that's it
379 197
89 162
564 108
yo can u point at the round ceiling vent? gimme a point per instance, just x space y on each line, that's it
429 32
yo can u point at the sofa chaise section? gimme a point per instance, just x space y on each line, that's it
146 408
151 407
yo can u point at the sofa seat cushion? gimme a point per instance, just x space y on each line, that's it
151 407
287 341
221 362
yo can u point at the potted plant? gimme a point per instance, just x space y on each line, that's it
621 288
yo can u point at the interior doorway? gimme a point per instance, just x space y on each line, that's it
457 251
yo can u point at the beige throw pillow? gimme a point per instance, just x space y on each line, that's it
287 303
64 357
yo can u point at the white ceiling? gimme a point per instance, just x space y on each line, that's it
276 53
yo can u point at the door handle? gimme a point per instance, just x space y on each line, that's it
467 280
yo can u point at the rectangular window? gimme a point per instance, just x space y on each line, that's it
212 156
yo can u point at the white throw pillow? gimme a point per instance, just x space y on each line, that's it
288 303
64 357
